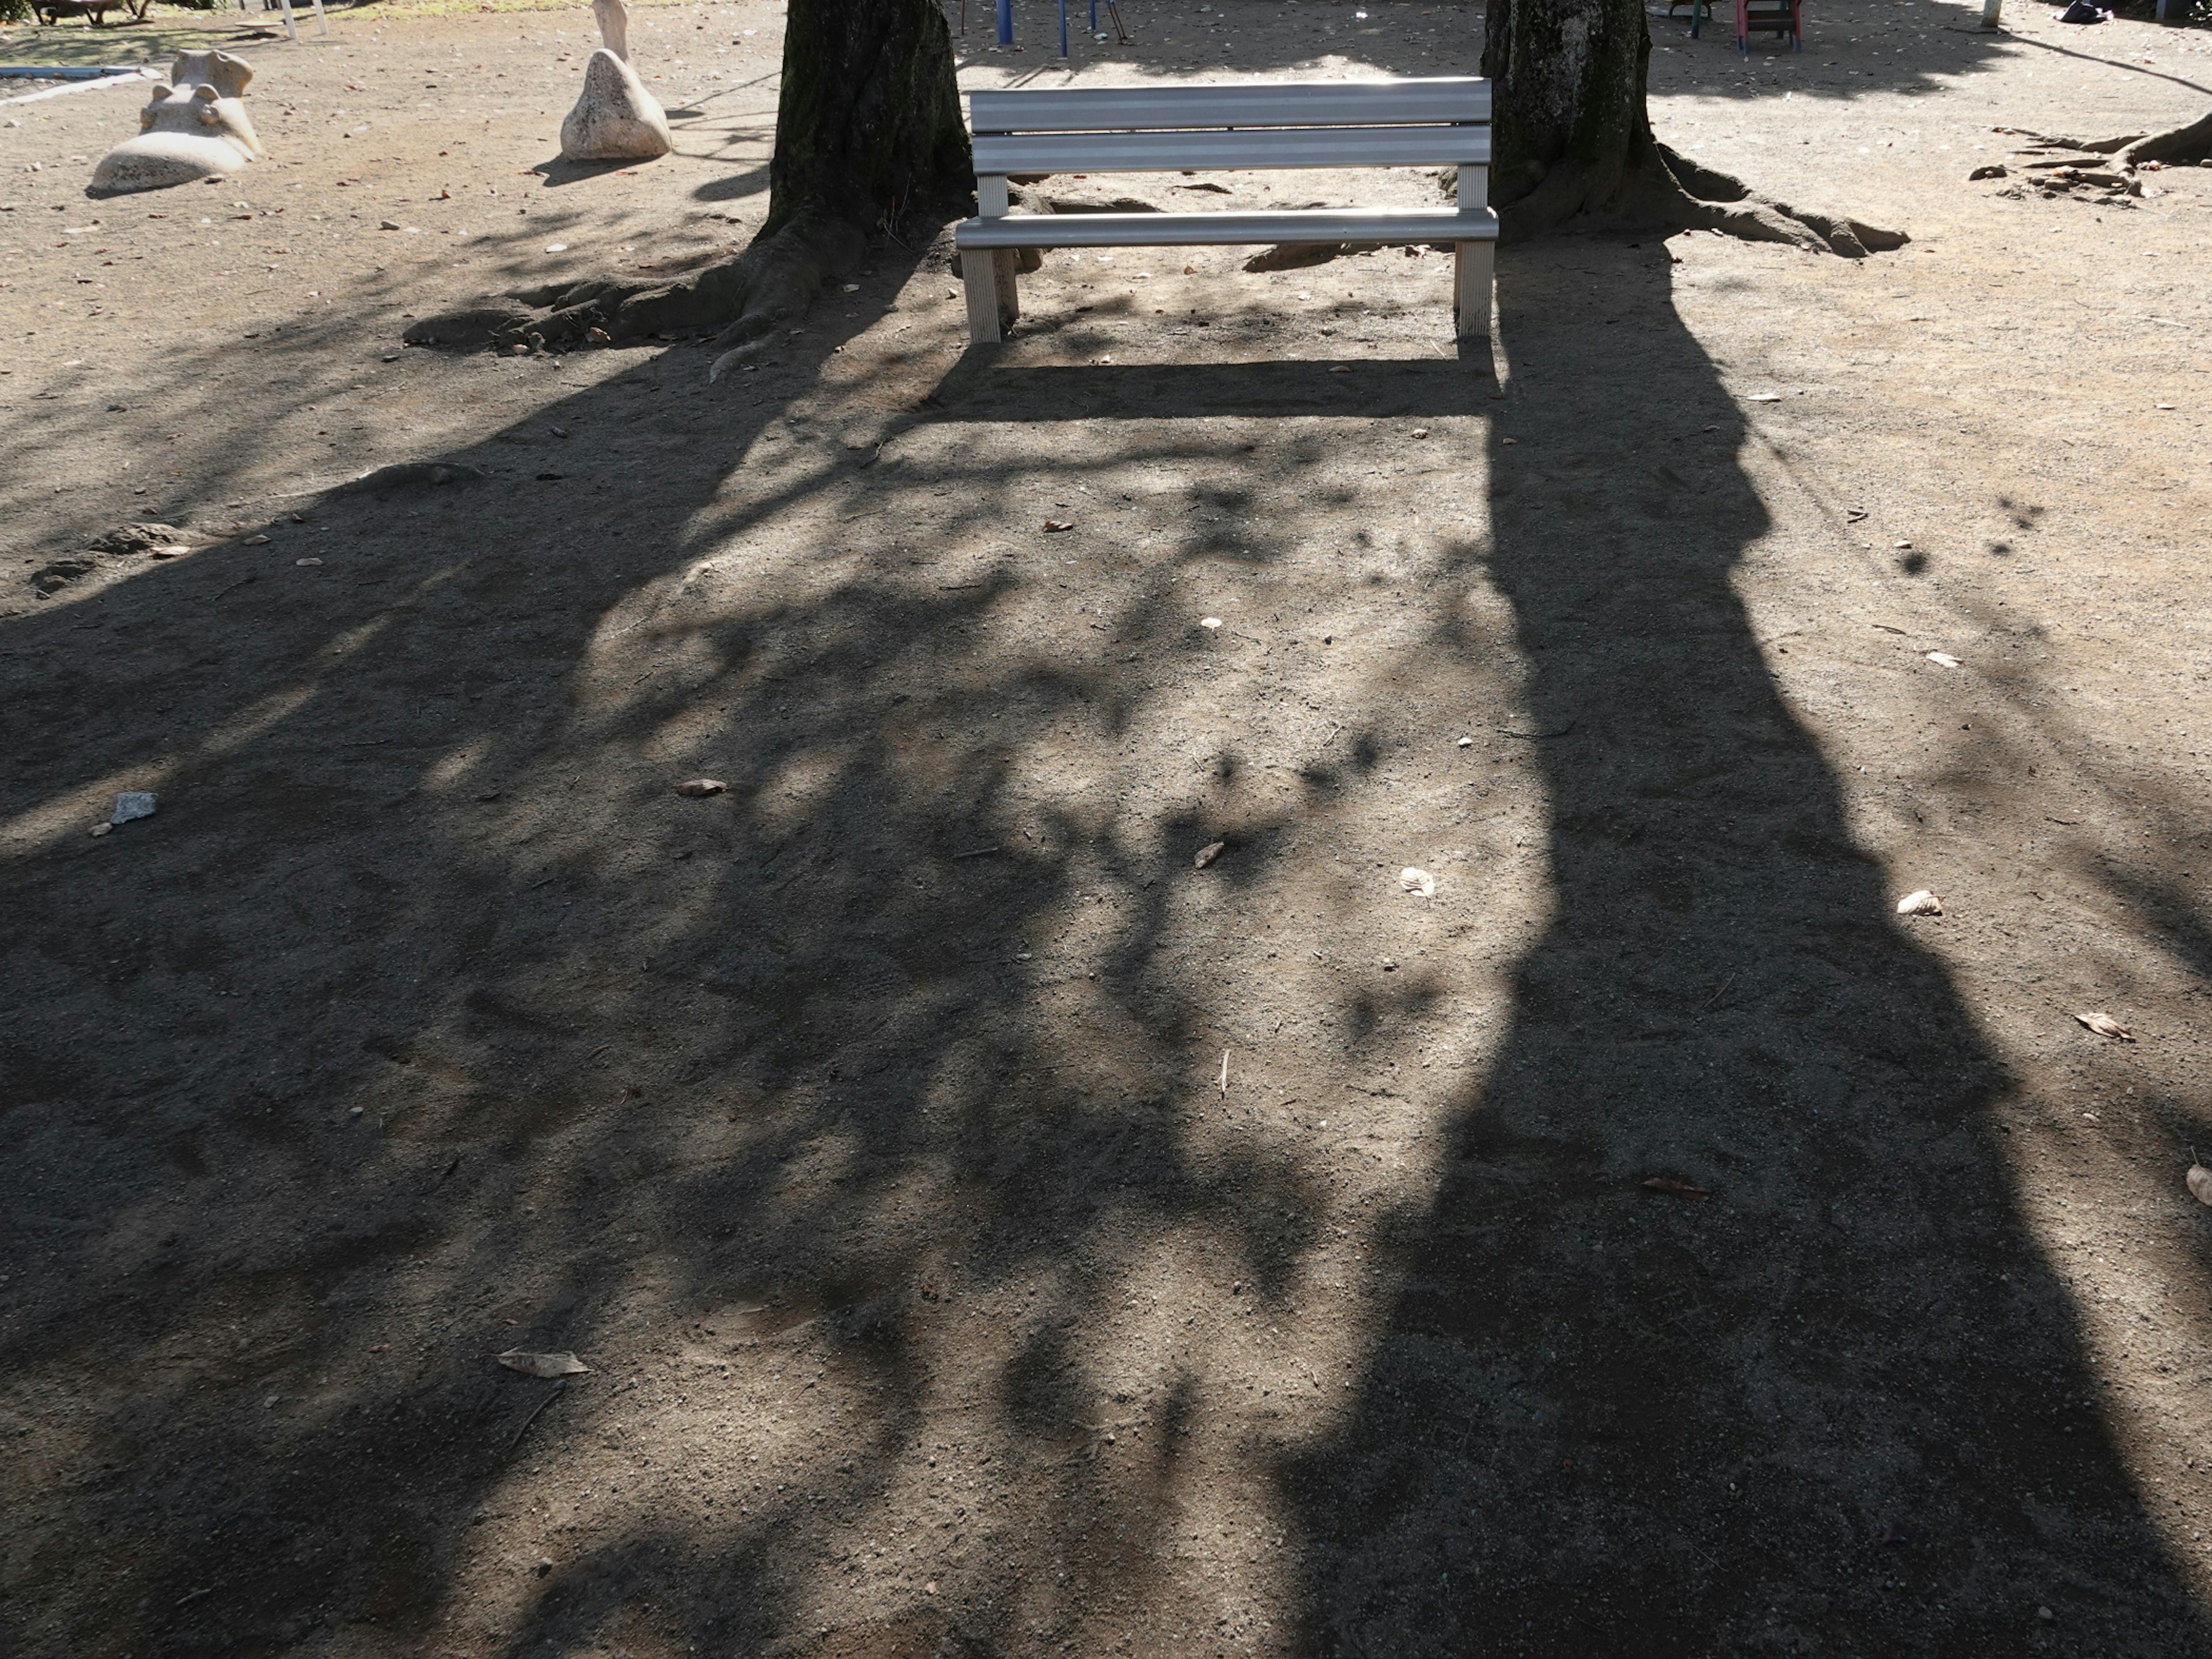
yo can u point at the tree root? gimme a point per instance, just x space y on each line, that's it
746 300
2192 143
1657 183
1704 199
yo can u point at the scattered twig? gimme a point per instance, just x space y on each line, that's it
1711 1001
979 853
1225 1073
534 1411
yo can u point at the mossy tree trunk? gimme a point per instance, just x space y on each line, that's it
867 131
1572 136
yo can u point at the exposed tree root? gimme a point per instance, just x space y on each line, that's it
746 300
2192 143
1657 183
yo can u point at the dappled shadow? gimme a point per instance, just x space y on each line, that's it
433 1022
1842 1403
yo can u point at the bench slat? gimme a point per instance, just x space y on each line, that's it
1243 103
1390 226
1279 147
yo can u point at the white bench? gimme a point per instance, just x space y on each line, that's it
1312 124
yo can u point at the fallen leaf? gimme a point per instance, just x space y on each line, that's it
543 1364
1900 546
103 830
1419 883
2165 405
2105 1026
1760 397
1053 526
1921 903
1190 271
1420 431
303 563
1677 1188
1466 742
1207 854
1209 622
1942 659
2200 1179
695 786
255 541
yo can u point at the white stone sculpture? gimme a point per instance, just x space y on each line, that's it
196 127
614 25
615 120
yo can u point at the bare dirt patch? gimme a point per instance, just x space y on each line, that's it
864 1125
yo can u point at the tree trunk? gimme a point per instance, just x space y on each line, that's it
1572 136
867 131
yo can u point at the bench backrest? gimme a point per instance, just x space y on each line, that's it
1442 122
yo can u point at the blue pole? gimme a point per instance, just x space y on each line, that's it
1063 27
1005 22
1094 16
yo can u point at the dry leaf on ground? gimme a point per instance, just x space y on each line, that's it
1669 1185
1921 903
700 787
2200 1179
1418 882
1943 660
2105 1026
1053 526
1207 854
543 1364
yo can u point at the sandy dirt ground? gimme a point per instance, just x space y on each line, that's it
987 1232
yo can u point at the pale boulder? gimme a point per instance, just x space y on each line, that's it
616 120
196 127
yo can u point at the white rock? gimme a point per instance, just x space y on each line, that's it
616 120
196 127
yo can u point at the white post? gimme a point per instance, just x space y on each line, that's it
291 30
322 19
1989 10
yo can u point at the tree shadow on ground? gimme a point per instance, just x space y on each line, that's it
1843 1404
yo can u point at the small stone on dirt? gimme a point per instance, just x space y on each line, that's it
1920 904
132 804
696 787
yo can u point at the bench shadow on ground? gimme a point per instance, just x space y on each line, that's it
1843 1404
777 1059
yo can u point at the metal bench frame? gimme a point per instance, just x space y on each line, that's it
1442 122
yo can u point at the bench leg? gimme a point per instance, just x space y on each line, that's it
993 302
1474 269
979 270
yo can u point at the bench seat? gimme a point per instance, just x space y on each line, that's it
1390 227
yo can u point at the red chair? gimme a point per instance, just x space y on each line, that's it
1772 16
